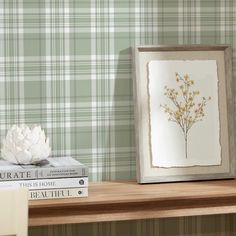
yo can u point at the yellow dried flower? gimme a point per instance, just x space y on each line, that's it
186 112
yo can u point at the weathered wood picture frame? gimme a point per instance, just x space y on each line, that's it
163 112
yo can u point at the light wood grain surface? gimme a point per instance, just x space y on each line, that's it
116 201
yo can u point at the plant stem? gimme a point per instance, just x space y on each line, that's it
186 144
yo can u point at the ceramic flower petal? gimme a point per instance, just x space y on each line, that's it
25 145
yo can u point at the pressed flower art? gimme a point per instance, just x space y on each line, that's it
184 121
187 109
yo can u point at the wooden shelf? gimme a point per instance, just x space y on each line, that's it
116 201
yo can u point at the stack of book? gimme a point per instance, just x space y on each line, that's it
59 177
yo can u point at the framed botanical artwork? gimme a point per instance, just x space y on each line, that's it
184 113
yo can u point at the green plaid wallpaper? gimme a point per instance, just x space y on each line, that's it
66 64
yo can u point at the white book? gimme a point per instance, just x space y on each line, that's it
56 167
47 183
57 193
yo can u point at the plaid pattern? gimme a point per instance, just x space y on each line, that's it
66 64
220 225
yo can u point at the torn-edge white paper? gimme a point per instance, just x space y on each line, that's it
167 139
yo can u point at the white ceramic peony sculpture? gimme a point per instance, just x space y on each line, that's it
25 145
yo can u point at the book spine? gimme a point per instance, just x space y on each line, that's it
57 193
61 172
47 183
46 173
